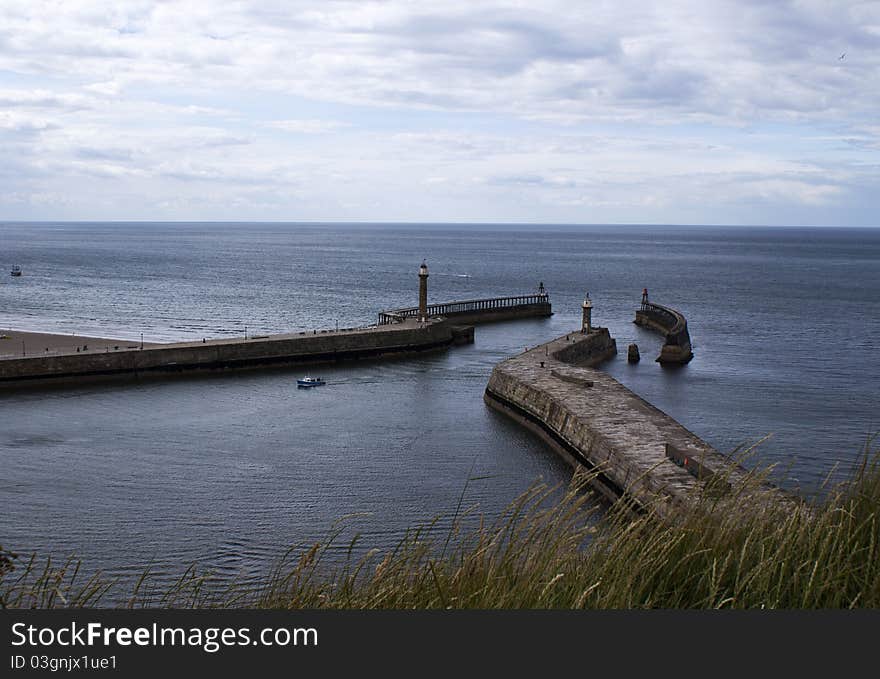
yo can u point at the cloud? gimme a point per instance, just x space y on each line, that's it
16 122
624 106
598 60
108 88
531 180
43 99
307 126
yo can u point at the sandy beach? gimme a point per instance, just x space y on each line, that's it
17 343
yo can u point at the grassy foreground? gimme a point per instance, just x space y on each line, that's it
727 551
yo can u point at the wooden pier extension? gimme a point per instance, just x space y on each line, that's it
478 310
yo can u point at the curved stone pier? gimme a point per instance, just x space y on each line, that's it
677 347
589 418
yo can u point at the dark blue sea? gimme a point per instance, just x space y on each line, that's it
230 471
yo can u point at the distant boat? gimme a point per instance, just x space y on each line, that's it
306 382
16 270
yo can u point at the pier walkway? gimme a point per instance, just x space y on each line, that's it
398 332
477 310
636 451
303 348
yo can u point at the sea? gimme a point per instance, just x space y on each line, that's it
229 472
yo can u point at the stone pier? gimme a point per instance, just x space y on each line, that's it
672 324
292 349
636 451
399 332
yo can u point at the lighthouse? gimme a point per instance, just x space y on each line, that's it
587 325
423 292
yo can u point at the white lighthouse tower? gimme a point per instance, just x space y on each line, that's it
587 324
423 292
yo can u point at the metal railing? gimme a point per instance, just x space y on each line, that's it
463 307
671 319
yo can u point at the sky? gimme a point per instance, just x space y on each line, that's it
558 111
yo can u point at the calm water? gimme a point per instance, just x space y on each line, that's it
229 471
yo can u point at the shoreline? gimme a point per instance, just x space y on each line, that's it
17 343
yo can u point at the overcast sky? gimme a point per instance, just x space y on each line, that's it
540 111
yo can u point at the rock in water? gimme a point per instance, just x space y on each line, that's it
632 353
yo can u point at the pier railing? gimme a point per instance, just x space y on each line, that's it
670 319
470 306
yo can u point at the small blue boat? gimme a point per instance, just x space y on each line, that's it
306 382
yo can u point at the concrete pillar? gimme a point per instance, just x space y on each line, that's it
587 325
423 292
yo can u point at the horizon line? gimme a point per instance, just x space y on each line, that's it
369 222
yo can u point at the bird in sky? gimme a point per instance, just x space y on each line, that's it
841 56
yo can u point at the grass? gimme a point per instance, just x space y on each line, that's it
727 550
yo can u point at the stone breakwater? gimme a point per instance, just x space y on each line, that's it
677 346
231 354
635 450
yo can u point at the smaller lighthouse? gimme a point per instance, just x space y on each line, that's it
423 292
587 324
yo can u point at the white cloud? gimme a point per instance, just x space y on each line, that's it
725 60
11 120
108 88
466 108
307 126
43 99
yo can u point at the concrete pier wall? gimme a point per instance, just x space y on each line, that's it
218 355
582 349
592 420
